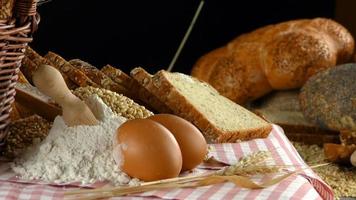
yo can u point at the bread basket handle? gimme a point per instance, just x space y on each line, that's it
26 12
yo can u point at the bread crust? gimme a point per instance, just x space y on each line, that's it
75 75
136 90
328 99
206 64
97 76
160 86
307 138
275 57
32 60
27 68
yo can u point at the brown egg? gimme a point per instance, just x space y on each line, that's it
149 150
191 141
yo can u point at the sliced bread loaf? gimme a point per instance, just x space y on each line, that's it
136 91
220 119
282 108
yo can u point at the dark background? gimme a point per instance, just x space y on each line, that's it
133 33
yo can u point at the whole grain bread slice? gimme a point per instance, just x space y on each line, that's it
97 76
137 91
32 60
74 74
220 119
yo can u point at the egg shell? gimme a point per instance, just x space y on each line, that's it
191 141
149 150
353 159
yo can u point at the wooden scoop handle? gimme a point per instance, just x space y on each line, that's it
51 83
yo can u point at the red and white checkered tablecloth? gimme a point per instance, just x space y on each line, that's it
305 185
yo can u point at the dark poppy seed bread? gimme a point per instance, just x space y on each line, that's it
328 99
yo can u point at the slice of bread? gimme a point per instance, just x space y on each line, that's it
282 108
220 119
97 76
74 74
292 122
307 138
32 60
137 91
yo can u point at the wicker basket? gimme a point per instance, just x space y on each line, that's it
15 34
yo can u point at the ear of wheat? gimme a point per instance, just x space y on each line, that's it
240 174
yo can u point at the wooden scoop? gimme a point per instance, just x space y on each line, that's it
38 106
50 82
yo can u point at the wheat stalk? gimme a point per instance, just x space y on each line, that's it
239 174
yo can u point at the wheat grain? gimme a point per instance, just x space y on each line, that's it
341 179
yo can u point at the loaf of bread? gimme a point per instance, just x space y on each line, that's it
220 119
23 133
328 99
282 108
275 57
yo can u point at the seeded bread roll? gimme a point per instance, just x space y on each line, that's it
23 133
220 119
205 65
275 57
328 99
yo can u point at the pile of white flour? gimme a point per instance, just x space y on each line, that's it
72 154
